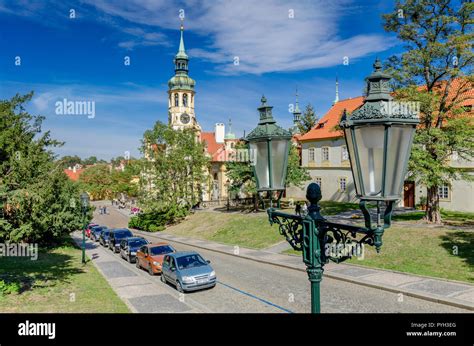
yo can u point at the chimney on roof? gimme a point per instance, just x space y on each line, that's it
337 92
219 132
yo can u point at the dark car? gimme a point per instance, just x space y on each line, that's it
104 237
96 231
130 246
116 236
188 271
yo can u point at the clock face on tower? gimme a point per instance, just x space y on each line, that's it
185 118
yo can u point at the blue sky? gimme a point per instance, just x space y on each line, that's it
82 58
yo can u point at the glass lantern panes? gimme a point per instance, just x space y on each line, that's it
279 148
370 142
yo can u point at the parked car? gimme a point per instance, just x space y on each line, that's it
115 237
150 257
89 228
96 231
129 247
104 237
188 271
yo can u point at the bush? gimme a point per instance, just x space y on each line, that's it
9 287
155 221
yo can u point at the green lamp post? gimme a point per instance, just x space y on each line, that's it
269 147
85 208
379 137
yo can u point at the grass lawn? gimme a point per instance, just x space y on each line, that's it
429 252
57 282
418 250
455 218
247 230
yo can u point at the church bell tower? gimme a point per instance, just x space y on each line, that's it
181 92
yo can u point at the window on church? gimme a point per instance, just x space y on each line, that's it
176 100
185 100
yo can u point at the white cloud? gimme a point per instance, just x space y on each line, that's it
141 37
261 34
43 100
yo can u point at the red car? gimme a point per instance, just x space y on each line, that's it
150 256
88 229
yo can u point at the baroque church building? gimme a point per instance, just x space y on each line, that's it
220 146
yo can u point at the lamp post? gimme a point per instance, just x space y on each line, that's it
379 137
85 208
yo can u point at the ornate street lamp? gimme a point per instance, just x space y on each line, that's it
379 137
269 147
85 208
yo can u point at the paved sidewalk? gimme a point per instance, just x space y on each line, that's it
448 292
141 292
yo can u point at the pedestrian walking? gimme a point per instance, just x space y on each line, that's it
298 209
304 210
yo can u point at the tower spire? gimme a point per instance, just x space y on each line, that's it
181 59
229 134
337 91
297 106
296 114
181 51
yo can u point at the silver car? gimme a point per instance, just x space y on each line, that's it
188 271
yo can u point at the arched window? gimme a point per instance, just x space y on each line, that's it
185 100
176 100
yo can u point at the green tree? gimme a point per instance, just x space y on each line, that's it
90 160
308 120
126 181
296 175
436 71
97 181
38 203
69 161
173 175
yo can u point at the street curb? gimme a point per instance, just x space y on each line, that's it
408 292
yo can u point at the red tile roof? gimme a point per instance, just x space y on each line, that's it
74 176
325 127
212 147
